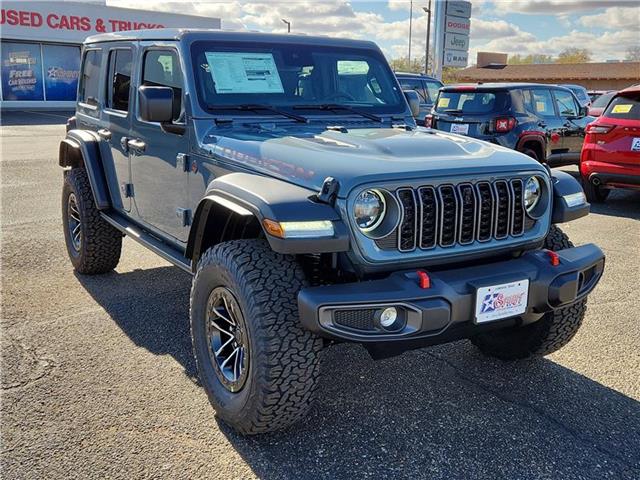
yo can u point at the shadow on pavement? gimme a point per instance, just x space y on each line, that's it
30 117
445 412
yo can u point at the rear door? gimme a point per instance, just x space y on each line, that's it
539 101
621 144
573 124
116 123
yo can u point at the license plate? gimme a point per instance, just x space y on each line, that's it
461 128
501 301
635 144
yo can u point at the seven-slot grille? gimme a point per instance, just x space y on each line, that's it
449 215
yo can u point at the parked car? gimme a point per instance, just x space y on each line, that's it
545 122
287 176
426 87
594 94
611 152
599 104
580 92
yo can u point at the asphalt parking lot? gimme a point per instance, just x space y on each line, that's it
98 379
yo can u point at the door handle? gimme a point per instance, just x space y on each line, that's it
104 134
542 124
137 145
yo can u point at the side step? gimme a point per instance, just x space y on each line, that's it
166 251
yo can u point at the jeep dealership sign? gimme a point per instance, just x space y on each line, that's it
457 25
71 22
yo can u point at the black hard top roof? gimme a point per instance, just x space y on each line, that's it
190 34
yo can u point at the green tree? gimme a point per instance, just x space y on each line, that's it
574 55
518 59
633 54
402 65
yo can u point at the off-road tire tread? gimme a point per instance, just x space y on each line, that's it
101 242
543 337
286 367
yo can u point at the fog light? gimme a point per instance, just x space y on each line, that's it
388 317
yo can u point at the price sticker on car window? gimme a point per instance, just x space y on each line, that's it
541 106
443 102
622 108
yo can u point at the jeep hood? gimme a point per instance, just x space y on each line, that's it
359 156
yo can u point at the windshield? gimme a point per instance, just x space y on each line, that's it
288 76
602 100
471 102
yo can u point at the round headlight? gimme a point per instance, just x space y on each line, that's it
532 193
369 209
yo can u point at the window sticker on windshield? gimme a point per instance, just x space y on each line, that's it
541 106
622 108
443 102
244 72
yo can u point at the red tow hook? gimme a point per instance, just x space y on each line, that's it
553 258
423 279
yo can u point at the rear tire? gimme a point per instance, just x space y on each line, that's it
552 332
275 380
93 245
594 194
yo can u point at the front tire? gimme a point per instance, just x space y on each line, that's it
552 332
276 365
93 245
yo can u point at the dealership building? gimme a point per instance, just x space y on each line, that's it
40 45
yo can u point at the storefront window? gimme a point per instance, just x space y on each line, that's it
61 69
21 71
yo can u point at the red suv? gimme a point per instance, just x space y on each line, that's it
610 155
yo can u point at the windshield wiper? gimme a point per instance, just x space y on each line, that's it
453 111
337 106
251 107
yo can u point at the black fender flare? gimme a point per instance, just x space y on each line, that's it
564 185
83 149
268 198
538 137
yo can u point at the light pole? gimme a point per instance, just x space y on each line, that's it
426 49
410 25
288 25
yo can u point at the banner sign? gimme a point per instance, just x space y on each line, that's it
61 71
453 41
459 8
21 71
72 22
457 25
455 58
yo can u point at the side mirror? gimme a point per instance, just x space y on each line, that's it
156 103
413 100
584 111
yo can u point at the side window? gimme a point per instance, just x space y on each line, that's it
432 89
542 103
119 80
414 84
90 82
162 69
566 103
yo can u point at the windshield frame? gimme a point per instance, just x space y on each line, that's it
198 47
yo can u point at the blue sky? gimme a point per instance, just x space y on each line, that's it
606 27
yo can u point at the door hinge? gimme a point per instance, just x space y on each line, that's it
127 190
184 215
182 162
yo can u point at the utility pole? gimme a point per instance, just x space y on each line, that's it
438 37
426 49
410 25
288 25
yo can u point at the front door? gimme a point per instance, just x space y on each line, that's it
540 102
157 154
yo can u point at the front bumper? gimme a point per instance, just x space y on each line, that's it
446 310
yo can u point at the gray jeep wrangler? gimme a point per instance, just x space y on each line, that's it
287 175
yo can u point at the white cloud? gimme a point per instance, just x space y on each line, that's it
556 7
618 18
